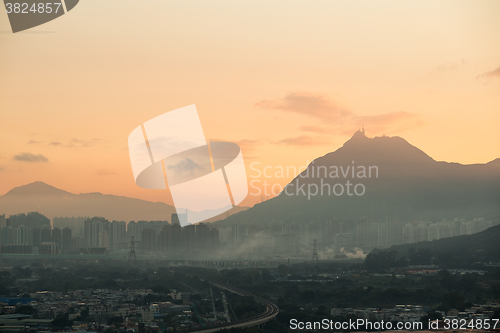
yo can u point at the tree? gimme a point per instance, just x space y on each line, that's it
61 321
26 309
115 320
282 269
431 316
420 256
308 295
453 301
379 260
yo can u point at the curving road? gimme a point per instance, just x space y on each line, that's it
272 311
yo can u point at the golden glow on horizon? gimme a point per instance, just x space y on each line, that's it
288 81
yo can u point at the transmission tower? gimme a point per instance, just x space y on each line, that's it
213 304
226 310
131 254
315 251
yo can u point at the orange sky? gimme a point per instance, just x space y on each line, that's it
287 80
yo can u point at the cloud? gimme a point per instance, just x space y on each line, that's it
28 157
77 143
186 165
448 67
84 143
33 142
247 146
493 73
2 168
248 143
338 119
316 129
303 140
316 105
391 122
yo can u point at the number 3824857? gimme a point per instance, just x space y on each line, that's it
35 8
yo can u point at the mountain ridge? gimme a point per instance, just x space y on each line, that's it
37 188
53 202
410 184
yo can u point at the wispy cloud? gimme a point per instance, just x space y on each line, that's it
448 67
186 165
337 118
248 146
388 123
33 142
303 140
317 105
490 74
84 143
28 157
316 129
77 143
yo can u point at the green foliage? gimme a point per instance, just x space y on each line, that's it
420 256
308 295
26 309
282 269
381 260
115 320
244 306
456 252
61 321
453 300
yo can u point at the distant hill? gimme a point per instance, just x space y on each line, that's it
410 185
484 244
452 252
53 202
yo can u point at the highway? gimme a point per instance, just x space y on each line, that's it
271 312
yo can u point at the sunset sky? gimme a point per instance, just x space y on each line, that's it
288 81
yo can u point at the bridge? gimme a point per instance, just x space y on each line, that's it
217 263
270 313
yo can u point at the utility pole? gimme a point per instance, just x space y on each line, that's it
213 304
315 251
131 254
226 310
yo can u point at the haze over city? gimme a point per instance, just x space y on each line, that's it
369 138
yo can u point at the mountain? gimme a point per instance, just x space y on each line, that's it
53 202
404 184
496 162
38 188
